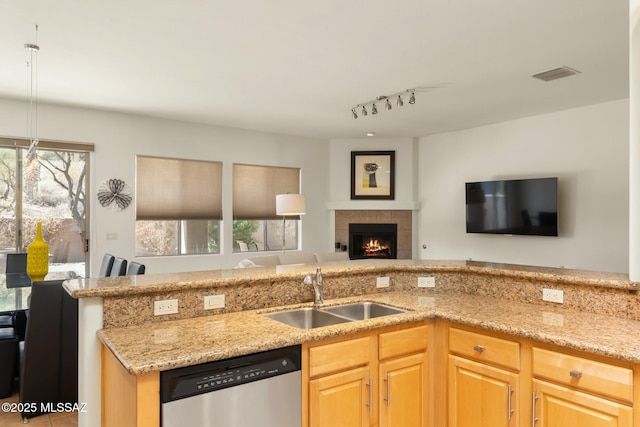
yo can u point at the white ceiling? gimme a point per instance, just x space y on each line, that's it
298 67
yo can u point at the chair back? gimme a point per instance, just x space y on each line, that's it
16 271
16 263
107 265
135 268
119 267
49 363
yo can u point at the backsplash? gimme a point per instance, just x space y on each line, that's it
269 292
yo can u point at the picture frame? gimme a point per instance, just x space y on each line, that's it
373 175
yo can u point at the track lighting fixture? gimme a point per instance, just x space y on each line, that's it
387 102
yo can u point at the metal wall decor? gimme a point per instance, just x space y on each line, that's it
114 192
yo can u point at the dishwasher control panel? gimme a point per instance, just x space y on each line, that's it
207 377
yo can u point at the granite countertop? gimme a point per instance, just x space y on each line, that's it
150 283
172 344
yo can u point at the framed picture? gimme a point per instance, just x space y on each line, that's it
373 175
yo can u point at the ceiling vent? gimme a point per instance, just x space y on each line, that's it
556 73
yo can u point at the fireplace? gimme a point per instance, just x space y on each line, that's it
373 241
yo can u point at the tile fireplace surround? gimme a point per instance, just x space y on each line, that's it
400 217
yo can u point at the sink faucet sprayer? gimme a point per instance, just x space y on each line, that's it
317 286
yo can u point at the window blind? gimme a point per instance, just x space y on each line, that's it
170 189
255 188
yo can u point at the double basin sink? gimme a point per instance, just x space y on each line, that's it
311 317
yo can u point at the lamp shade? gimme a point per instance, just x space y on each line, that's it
290 204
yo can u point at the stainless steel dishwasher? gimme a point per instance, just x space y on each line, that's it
262 389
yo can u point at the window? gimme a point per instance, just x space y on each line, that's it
256 227
47 185
178 206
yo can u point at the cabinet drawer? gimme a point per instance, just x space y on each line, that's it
405 341
584 374
485 348
339 356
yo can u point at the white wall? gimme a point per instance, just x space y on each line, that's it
118 138
340 167
587 148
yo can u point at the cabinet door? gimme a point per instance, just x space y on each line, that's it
403 392
558 406
481 395
342 399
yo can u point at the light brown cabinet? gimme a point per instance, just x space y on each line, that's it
380 378
571 390
490 379
481 394
341 399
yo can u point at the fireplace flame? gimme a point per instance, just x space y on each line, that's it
374 248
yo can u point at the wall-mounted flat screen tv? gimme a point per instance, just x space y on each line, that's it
519 206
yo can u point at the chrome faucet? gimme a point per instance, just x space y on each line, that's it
317 286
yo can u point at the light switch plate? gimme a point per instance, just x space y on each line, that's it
382 282
553 295
427 282
213 301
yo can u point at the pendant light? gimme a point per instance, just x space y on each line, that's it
32 113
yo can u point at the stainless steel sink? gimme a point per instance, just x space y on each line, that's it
306 318
363 310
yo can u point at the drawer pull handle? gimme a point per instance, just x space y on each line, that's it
388 398
575 374
478 348
510 409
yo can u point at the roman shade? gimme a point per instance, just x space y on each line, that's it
255 189
178 189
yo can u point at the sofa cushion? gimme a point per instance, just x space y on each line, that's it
297 258
332 256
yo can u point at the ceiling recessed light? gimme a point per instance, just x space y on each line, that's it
371 133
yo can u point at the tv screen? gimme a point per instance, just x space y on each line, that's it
519 206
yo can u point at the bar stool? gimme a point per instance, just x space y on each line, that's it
8 354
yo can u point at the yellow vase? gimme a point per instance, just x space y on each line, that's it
38 256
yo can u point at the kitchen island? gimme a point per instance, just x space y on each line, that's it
599 314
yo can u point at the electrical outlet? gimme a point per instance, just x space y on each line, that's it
213 301
167 306
552 295
382 282
426 282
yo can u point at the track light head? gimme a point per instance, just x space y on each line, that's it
386 100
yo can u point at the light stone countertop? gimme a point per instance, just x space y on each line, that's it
150 283
172 344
